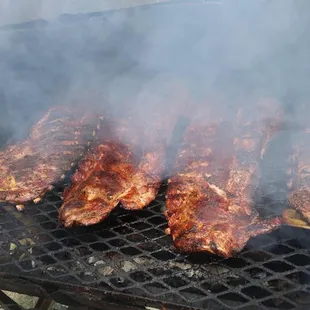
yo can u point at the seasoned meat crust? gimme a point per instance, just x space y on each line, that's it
209 199
299 196
121 169
29 168
128 164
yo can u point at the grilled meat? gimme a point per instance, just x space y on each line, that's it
128 165
146 179
29 168
299 196
116 171
209 199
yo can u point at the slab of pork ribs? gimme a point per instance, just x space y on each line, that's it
126 167
209 198
299 196
30 167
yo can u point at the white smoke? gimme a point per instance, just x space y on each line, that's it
234 47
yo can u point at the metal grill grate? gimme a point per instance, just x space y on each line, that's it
130 254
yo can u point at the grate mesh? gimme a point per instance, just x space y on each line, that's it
130 254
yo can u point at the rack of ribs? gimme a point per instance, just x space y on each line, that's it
30 168
126 167
299 185
209 197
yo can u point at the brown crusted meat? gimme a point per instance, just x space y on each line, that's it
128 165
115 171
146 179
29 168
209 200
299 197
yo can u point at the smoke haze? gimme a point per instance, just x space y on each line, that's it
231 49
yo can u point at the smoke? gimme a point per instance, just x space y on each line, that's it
241 45
237 49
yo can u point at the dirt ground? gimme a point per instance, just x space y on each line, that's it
14 11
29 302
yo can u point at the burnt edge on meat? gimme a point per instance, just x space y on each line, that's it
209 200
30 168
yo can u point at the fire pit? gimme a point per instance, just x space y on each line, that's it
129 262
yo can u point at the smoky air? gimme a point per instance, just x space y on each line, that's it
146 59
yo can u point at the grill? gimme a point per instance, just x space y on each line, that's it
128 259
129 262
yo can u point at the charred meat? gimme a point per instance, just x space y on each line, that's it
121 169
209 199
30 167
128 165
299 196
